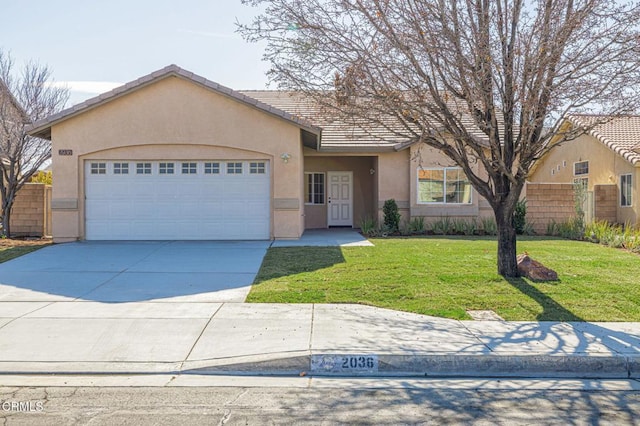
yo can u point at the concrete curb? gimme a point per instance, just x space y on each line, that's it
481 366
389 365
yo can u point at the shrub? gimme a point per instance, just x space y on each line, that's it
519 216
391 215
42 177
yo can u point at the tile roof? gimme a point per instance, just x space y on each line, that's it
620 134
337 134
340 134
42 128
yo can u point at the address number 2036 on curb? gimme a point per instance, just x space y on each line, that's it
344 363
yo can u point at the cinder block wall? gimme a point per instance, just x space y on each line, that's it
31 214
606 202
548 202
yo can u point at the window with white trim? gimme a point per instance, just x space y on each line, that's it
166 168
143 168
98 168
581 168
120 168
234 168
582 181
189 168
314 188
257 168
447 185
626 189
211 168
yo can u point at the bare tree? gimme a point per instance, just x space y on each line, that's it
483 81
23 99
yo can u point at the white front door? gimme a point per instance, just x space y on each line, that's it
340 199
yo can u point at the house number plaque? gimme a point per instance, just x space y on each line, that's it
344 363
65 152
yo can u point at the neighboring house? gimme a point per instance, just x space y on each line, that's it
606 160
175 156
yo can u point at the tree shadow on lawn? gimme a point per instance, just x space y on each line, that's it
551 310
575 336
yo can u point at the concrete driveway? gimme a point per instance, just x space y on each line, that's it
180 271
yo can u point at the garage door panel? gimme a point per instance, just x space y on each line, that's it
178 206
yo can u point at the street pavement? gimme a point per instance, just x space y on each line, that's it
174 308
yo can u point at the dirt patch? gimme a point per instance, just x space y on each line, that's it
24 242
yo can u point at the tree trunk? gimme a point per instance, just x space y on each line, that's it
507 263
7 205
6 223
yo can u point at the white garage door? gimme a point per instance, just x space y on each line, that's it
177 200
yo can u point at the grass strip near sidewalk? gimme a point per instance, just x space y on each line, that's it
10 249
447 276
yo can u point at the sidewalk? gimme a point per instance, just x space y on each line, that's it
84 337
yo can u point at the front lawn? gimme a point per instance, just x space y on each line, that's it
446 276
10 248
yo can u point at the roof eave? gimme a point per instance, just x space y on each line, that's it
42 128
356 149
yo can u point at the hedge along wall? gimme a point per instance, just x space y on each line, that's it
31 213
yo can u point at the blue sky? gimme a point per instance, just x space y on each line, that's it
92 46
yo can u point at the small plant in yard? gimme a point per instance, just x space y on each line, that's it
489 226
368 226
391 216
519 216
528 229
458 227
603 232
579 196
417 225
442 226
470 227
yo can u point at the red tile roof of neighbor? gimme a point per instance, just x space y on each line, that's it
620 134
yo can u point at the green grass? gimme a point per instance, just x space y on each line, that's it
8 253
447 276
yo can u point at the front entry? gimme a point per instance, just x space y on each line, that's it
340 201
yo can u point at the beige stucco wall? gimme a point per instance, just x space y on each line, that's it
394 182
426 157
176 119
605 168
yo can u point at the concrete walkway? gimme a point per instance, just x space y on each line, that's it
84 337
332 237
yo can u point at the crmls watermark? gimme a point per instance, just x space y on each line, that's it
22 406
